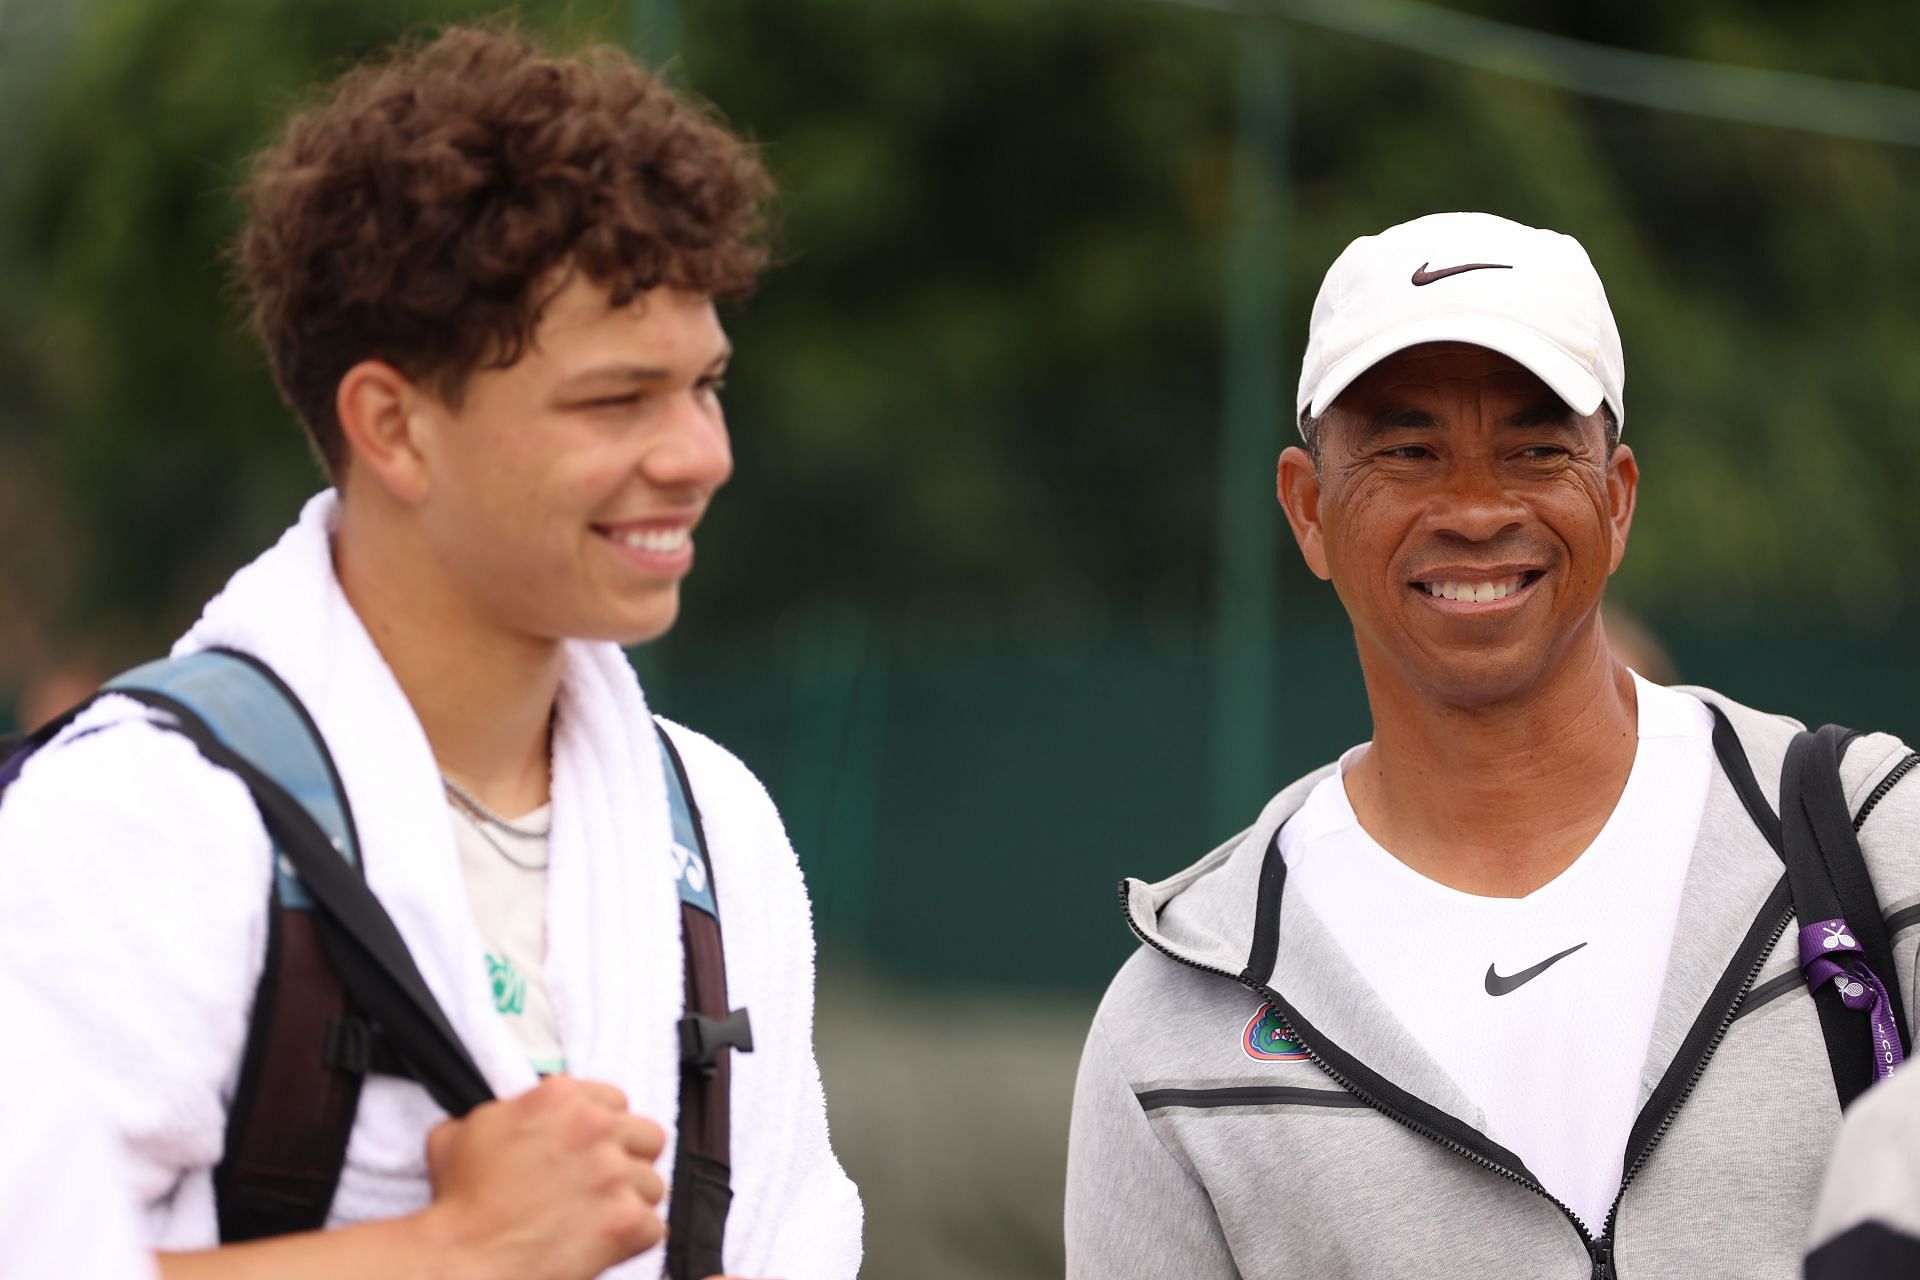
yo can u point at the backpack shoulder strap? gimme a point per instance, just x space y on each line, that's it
339 994
280 1164
17 748
249 712
703 1159
1845 949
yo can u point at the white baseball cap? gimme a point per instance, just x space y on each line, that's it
1529 294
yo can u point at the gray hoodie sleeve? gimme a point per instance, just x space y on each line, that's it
1867 1226
1134 1209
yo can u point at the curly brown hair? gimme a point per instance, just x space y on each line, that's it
420 213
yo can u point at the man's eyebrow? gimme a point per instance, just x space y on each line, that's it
614 373
1394 419
627 373
1551 412
1397 419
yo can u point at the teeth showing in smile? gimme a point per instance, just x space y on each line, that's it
1473 592
655 540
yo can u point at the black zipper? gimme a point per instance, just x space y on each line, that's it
1886 784
1272 997
1699 1069
1599 1250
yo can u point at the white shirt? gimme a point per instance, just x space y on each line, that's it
505 869
1540 1008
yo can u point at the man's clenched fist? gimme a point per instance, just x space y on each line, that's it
556 1184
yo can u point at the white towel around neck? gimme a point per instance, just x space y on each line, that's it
614 955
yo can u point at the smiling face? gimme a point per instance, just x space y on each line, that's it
1467 518
558 498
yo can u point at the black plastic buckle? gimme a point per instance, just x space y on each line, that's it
356 1044
702 1038
349 1045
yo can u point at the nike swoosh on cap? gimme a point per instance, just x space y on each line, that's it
1499 986
1424 276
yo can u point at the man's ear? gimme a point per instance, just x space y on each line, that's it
1623 485
380 412
1299 486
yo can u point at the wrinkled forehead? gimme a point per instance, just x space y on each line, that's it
1435 369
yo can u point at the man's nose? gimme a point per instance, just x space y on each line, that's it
694 450
1474 502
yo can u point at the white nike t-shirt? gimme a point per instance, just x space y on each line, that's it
1554 1058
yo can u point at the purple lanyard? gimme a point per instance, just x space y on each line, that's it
1828 950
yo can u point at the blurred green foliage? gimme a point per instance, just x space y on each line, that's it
143 401
984 382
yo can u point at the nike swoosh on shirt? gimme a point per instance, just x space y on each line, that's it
1499 986
1424 276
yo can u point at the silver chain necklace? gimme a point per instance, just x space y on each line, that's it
481 817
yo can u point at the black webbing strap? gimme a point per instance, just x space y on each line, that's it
293 1107
308 1044
16 748
1830 881
339 996
1826 875
702 1162
359 937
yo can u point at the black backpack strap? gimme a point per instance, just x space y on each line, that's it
369 953
1828 880
17 748
1846 861
280 1163
339 995
1845 950
703 1160
282 1159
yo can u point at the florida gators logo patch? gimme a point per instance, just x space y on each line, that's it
1265 1038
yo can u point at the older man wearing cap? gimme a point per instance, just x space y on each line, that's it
1508 990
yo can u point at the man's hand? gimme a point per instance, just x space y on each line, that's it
556 1184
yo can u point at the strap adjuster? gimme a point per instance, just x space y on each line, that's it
355 1044
702 1038
349 1045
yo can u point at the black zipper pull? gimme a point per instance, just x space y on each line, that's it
1602 1252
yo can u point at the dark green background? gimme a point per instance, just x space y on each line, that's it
966 810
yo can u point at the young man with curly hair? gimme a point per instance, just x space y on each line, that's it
486 278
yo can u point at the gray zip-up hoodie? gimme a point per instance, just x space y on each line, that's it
1361 1158
1867 1225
